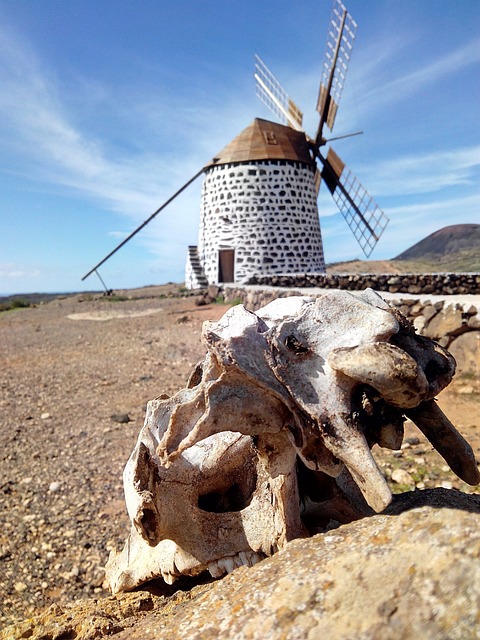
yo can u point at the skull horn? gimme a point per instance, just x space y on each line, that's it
449 443
350 446
385 367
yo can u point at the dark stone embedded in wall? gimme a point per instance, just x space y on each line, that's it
428 283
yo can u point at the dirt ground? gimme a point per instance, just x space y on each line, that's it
76 375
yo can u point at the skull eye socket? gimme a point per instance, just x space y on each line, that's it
293 344
234 497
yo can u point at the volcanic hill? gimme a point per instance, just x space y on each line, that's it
455 249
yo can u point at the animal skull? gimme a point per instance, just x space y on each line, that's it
271 438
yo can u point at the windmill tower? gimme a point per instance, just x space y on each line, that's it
258 209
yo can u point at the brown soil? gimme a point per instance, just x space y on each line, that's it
68 367
365 266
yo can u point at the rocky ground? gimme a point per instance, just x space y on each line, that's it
77 373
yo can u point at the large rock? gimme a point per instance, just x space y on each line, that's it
466 351
448 322
411 575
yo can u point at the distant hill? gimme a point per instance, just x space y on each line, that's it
455 249
445 243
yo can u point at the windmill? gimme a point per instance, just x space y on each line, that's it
259 210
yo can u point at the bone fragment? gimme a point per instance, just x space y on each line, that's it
449 443
391 436
350 446
387 368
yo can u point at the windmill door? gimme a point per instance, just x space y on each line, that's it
226 262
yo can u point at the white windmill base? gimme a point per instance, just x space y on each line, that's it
256 219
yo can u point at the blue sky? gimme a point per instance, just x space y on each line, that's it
107 108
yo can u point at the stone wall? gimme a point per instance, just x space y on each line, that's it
454 322
429 283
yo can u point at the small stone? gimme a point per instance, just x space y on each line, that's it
29 517
400 476
45 416
55 487
466 390
20 587
121 418
446 484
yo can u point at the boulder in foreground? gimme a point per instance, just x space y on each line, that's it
411 575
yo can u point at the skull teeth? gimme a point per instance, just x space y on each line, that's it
169 578
228 564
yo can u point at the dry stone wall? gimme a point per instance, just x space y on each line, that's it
428 283
452 321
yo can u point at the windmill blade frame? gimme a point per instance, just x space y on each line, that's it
341 35
274 96
362 214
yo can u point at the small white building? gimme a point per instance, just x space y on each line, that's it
259 210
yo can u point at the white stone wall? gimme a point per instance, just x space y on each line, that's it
267 212
191 281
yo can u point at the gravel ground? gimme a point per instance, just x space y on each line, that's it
64 376
68 367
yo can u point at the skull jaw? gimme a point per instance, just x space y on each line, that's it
284 507
211 538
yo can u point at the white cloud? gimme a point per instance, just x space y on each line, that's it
37 127
425 173
413 222
12 271
380 89
451 210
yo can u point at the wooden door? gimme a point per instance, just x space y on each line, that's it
226 265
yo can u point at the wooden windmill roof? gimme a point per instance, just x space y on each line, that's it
265 140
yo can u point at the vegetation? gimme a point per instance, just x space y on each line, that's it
465 261
15 303
113 297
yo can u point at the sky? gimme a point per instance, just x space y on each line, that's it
107 108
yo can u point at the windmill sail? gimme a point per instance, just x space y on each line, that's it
144 224
362 214
341 34
274 96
